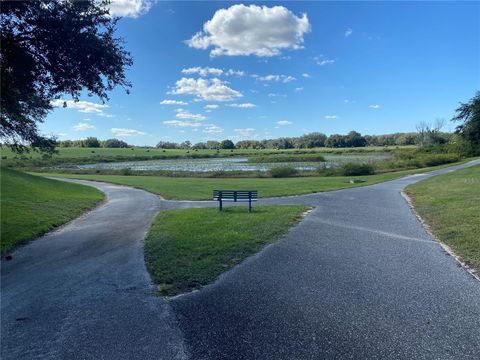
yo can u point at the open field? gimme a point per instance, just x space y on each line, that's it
188 248
32 205
450 205
190 188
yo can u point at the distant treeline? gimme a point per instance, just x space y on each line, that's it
307 141
93 142
316 139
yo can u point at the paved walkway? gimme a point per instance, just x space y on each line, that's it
358 278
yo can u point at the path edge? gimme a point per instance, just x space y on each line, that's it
474 273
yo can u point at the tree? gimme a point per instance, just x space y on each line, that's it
51 48
335 141
212 144
91 142
186 145
227 144
469 116
167 145
114 143
355 139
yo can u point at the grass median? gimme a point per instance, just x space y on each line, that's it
450 205
32 205
189 248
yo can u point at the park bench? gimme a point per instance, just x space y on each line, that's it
235 196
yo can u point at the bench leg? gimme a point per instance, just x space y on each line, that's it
220 205
249 205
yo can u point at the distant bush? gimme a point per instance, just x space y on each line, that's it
283 171
286 158
352 169
126 171
439 159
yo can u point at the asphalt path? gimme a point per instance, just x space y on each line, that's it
358 278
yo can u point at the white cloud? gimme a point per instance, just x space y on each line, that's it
348 32
213 129
376 106
276 78
210 106
82 106
173 102
284 122
243 106
247 132
306 75
129 8
185 114
299 89
83 127
276 95
231 72
321 61
251 30
126 132
206 89
331 117
203 71
182 124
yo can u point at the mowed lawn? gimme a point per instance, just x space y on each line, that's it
450 204
32 205
190 188
188 248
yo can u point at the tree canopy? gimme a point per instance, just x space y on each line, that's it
50 49
469 116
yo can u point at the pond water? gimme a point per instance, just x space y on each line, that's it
234 163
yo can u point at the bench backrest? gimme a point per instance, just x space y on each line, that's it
235 194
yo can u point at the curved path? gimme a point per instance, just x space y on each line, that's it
358 278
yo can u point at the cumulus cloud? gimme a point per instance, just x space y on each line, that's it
284 122
247 132
126 132
276 78
203 71
182 124
210 106
206 89
129 8
375 106
83 127
212 129
306 75
299 89
185 114
173 102
82 106
243 106
331 117
348 32
251 30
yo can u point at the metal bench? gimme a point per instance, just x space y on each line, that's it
235 196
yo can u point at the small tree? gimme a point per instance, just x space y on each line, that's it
468 114
227 144
91 142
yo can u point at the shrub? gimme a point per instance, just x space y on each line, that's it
126 171
439 159
352 169
283 171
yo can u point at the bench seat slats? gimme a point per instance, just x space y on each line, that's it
235 196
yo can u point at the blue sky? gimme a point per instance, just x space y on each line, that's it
296 67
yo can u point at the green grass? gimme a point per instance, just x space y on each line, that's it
189 248
450 205
201 188
32 205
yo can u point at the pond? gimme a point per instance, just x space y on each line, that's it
233 163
